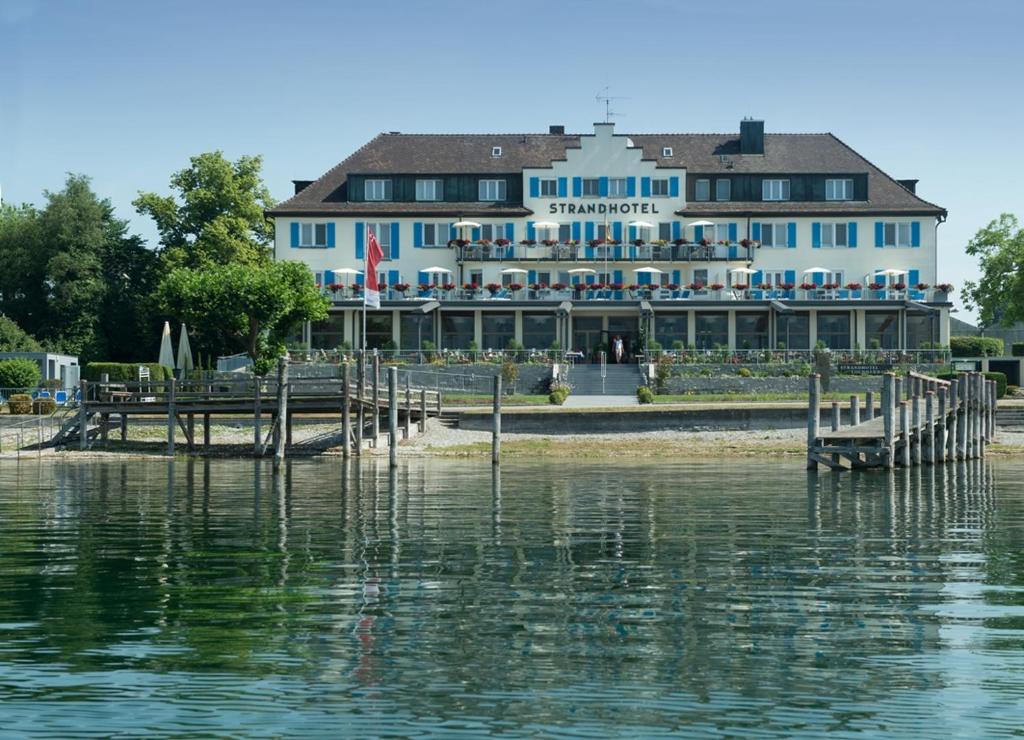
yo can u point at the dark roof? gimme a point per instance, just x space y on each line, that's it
698 153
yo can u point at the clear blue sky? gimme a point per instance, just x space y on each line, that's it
126 91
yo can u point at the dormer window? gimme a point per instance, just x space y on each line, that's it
666 151
377 190
495 151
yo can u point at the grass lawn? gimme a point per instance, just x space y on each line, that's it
486 399
748 397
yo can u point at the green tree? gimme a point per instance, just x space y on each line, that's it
19 374
217 216
999 295
14 339
244 308
23 292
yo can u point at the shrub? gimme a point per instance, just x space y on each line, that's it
644 394
125 371
19 404
19 374
558 393
509 375
976 346
1017 349
744 372
43 406
1000 378
1012 390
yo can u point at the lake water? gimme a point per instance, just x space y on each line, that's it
729 597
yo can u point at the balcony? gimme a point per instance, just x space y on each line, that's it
679 250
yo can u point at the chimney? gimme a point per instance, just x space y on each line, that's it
301 185
560 130
751 136
910 185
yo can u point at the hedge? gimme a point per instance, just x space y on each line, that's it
19 374
1000 379
976 346
125 371
19 404
1017 349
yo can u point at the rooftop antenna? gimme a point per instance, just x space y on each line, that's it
607 99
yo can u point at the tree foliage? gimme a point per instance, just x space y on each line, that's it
244 308
19 374
999 295
217 215
14 339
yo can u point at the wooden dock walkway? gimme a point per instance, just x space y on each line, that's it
921 420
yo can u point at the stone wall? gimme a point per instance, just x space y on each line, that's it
470 378
795 384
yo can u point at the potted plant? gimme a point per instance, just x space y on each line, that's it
877 288
550 242
558 286
515 287
356 288
922 286
638 242
595 243
503 242
716 288
528 242
764 286
740 286
493 288
942 291
680 242
448 286
899 286
696 287
705 242
579 287
673 286
855 289
400 288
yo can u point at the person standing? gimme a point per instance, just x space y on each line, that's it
617 349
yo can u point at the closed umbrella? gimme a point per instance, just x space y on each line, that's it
184 351
166 351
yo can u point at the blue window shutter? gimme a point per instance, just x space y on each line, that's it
330 236
790 276
531 277
602 186
818 278
791 235
816 235
396 250
453 233
733 252
631 187
677 231
475 235
534 187
328 277
673 187
645 187
295 233
617 231
577 187
677 277
591 279
643 278
851 234
632 233
510 231
617 276
757 278
879 234
576 231
530 231
360 235
732 232
617 253
698 233
755 232
423 278
914 278
393 278
588 252
588 230
359 279
563 187
417 234
915 233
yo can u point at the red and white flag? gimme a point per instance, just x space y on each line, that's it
374 254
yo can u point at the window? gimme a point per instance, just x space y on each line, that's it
896 235
670 329
492 231
834 330
712 330
723 189
702 190
665 231
539 330
881 330
492 190
498 329
659 187
591 187
616 187
564 232
495 151
329 333
436 235
774 278
792 331
752 330
456 330
313 235
378 330
415 329
377 189
718 232
666 151
700 276
775 190
544 277
548 187
383 233
774 235
839 189
429 190
834 235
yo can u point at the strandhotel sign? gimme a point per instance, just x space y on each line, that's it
603 208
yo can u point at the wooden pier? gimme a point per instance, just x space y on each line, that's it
921 421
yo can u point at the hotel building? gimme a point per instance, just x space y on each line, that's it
745 240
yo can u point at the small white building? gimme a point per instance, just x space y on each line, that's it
52 366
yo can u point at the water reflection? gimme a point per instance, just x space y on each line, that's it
445 595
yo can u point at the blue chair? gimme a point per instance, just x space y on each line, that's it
756 294
915 295
61 397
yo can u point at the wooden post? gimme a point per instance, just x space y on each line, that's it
951 422
982 415
899 392
496 432
439 398
929 427
915 432
813 419
206 430
869 406
288 425
969 415
835 416
376 398
393 416
281 438
361 407
104 421
854 410
940 425
257 412
83 416
888 420
346 414
171 415
962 421
993 399
423 410
190 424
905 434
406 428
104 418
124 427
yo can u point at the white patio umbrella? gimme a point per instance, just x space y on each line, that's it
166 351
701 223
435 268
891 271
650 270
466 224
743 270
815 269
346 271
581 271
184 351
642 224
514 271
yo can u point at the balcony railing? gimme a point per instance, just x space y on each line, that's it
704 251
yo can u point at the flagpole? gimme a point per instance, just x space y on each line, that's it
366 249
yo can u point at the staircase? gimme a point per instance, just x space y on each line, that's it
1010 418
620 380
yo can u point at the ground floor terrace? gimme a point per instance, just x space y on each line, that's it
585 327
